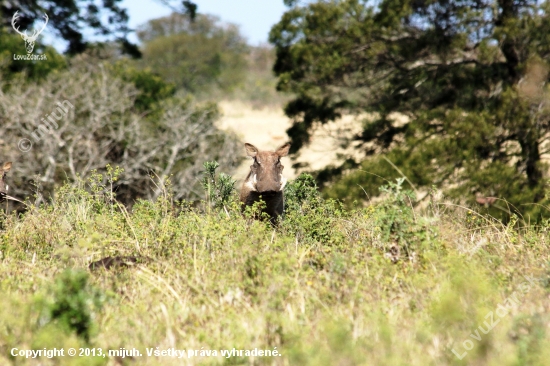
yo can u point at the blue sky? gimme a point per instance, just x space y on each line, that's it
255 17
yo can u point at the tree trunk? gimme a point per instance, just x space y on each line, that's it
508 47
531 158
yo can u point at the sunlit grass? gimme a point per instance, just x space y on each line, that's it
381 285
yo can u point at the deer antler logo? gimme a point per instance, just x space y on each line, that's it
29 40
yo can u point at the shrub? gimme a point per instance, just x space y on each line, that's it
74 303
396 223
308 215
103 125
219 190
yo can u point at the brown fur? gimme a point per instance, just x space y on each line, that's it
3 186
486 201
117 262
265 180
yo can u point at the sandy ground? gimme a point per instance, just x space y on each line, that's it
266 129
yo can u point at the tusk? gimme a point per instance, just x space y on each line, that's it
283 182
251 184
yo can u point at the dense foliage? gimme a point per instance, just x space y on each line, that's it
455 91
70 18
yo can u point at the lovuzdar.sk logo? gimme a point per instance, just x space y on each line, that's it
29 40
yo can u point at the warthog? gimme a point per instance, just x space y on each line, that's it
3 186
265 182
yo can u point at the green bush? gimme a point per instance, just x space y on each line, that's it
219 190
74 303
152 88
397 223
308 215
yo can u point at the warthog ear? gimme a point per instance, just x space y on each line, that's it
283 150
7 166
251 150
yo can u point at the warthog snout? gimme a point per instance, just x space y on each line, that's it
3 186
265 180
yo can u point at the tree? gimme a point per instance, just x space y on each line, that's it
194 54
469 76
187 7
70 17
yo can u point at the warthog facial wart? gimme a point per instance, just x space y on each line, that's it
265 181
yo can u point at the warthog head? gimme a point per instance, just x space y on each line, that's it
266 173
265 180
3 186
